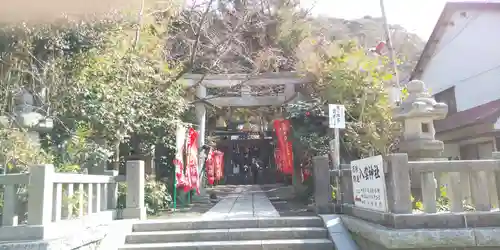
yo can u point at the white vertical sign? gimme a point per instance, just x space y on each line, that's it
369 183
336 114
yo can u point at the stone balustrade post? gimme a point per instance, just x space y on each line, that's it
496 156
40 190
398 184
322 189
346 187
112 192
9 213
135 179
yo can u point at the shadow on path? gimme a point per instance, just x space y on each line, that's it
200 205
285 202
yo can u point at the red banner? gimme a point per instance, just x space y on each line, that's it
210 167
221 160
192 161
289 147
282 128
277 159
219 165
180 177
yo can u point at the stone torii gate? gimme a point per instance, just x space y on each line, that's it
242 91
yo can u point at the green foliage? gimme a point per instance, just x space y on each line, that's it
156 196
73 202
77 151
345 75
351 78
443 202
309 131
417 205
97 82
97 74
334 192
18 151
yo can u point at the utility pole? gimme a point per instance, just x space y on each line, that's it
394 89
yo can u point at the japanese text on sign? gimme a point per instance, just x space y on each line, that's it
369 183
336 115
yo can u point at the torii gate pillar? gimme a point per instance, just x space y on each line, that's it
201 115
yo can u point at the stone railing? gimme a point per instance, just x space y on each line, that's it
61 203
436 225
460 175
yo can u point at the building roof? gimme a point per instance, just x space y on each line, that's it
443 22
486 113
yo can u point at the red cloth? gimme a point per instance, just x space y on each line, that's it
277 159
180 176
219 164
192 162
306 173
221 174
289 151
282 128
210 167
379 48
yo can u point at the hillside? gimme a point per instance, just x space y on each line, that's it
241 36
368 32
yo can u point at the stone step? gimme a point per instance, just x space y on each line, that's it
239 234
253 222
294 244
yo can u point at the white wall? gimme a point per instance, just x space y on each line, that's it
468 57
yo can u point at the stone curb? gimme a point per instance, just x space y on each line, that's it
338 233
423 238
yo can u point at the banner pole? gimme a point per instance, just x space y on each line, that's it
175 192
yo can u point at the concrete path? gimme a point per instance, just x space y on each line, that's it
244 202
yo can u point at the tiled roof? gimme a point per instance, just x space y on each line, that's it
488 112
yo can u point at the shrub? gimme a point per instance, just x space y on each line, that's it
156 196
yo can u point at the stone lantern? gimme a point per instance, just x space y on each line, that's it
28 118
417 114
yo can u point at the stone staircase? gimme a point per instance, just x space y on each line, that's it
268 233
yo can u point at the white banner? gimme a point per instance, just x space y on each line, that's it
336 114
369 183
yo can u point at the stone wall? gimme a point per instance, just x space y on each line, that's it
365 244
371 236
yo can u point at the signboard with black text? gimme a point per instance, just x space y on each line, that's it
369 183
336 116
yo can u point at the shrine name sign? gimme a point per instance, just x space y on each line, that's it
369 183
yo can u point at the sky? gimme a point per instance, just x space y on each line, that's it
417 16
